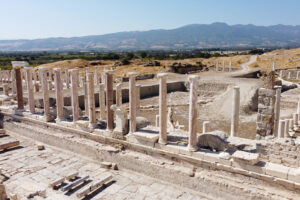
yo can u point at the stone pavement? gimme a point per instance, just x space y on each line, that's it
29 169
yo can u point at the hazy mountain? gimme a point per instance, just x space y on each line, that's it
218 35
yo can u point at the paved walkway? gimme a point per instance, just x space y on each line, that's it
28 168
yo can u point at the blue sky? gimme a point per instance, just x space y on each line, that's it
66 18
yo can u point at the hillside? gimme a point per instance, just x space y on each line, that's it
216 35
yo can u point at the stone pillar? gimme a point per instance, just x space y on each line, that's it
74 94
274 66
6 89
102 101
230 66
265 116
132 102
235 112
205 125
163 108
289 75
91 100
223 65
13 83
30 89
119 94
296 122
281 129
96 79
291 125
298 111
281 74
286 128
59 94
217 65
19 88
43 71
138 98
67 79
298 75
109 99
277 109
193 113
85 88
157 120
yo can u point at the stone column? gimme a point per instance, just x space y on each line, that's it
289 75
281 129
281 74
109 99
85 88
296 122
59 94
274 66
157 120
102 101
96 79
286 128
291 124
13 83
5 89
205 125
235 112
162 117
132 102
43 71
217 65
298 111
298 75
277 109
30 89
223 65
67 80
91 100
19 88
74 94
193 113
230 66
119 94
138 98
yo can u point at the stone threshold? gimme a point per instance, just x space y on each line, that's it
270 172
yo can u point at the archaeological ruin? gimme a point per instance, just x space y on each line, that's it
214 133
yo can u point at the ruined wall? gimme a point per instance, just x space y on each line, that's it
283 151
265 115
293 74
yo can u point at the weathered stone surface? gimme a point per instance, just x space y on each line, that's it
142 122
248 158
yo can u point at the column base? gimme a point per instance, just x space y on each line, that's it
192 148
161 141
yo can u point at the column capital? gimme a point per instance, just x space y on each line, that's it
193 78
161 75
236 87
131 74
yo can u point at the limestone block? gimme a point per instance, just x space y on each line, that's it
294 174
276 170
142 122
245 157
106 165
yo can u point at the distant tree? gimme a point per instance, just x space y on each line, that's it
124 61
256 51
129 56
143 54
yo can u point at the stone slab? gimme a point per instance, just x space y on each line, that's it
245 157
276 170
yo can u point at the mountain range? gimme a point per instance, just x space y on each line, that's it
195 36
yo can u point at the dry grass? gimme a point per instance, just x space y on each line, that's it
285 59
137 65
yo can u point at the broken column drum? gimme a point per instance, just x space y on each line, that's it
193 113
132 102
235 112
109 99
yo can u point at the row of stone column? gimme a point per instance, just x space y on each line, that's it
290 74
223 66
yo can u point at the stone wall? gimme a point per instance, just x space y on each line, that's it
265 115
293 74
282 151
